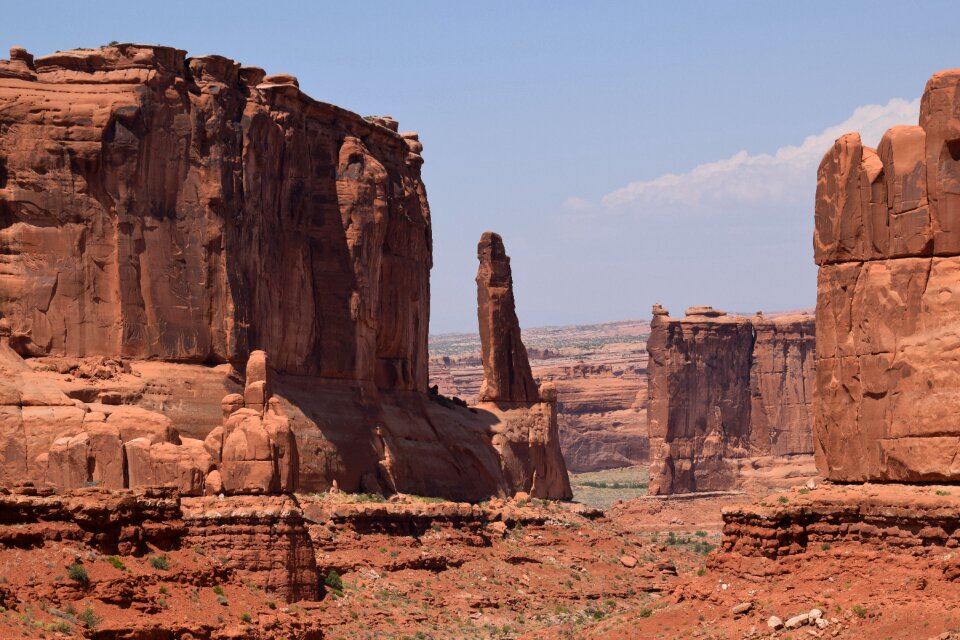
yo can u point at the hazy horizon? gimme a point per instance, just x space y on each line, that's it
628 155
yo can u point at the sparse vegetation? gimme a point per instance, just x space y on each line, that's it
783 499
603 488
160 562
334 581
859 610
78 573
89 618
116 562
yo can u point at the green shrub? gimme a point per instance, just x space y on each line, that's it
646 612
78 573
859 610
89 618
116 562
783 499
333 580
218 590
245 616
160 562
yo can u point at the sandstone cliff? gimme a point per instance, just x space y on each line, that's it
180 213
887 240
725 392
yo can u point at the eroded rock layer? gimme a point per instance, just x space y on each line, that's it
887 241
176 214
726 393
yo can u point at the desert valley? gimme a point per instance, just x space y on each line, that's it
224 414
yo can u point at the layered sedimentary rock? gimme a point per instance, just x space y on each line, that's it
724 392
528 438
893 516
263 540
177 214
177 168
888 299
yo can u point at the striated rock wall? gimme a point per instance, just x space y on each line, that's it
887 240
136 183
127 522
893 517
723 389
181 213
262 540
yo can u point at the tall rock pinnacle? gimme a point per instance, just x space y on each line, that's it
506 370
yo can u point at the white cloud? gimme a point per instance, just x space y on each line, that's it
573 203
786 176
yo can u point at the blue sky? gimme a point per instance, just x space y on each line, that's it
629 153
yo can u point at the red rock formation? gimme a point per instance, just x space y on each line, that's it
256 451
506 369
724 390
528 438
263 540
124 522
600 372
180 166
165 209
887 241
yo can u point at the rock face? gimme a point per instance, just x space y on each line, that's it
887 240
724 392
263 540
895 517
178 213
530 433
179 167
506 370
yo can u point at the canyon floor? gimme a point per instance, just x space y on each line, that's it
414 567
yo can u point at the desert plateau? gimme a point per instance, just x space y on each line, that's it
672 350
